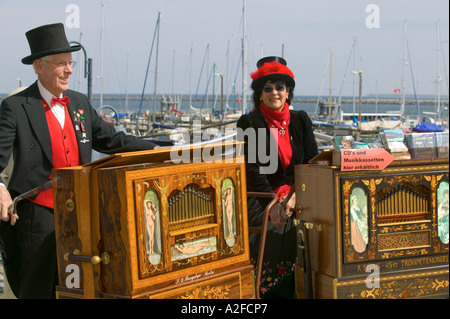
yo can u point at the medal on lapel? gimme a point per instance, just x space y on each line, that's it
79 118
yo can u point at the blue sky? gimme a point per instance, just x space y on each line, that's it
305 32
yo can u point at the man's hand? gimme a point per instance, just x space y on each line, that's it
6 205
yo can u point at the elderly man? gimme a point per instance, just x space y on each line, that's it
46 126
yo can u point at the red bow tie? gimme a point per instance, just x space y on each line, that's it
63 101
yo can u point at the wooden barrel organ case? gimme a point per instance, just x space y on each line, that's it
376 234
141 225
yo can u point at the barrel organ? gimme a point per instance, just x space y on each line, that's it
394 221
139 225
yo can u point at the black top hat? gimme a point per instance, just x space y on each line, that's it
270 59
47 40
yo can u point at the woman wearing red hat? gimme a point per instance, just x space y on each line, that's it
275 126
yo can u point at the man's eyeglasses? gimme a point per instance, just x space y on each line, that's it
279 88
72 64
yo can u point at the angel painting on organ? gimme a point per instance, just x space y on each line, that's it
150 216
229 210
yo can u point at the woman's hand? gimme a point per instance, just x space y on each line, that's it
290 205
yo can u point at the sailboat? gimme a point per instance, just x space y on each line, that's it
162 125
434 121
330 119
326 116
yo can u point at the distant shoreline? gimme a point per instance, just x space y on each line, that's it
295 100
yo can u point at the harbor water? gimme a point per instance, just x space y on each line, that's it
412 109
132 104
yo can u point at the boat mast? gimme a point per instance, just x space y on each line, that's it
227 75
173 73
146 74
126 84
376 97
156 67
79 72
402 107
207 83
244 62
213 74
438 79
101 57
331 68
354 75
190 76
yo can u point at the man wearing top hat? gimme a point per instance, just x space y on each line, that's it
45 126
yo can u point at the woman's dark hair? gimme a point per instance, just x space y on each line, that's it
258 91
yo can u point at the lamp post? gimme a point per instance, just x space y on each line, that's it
87 70
360 102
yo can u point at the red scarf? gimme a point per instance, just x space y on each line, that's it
278 122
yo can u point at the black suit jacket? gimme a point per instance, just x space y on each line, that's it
25 134
303 143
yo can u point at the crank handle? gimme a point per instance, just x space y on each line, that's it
76 256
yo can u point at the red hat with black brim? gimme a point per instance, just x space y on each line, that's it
47 40
272 68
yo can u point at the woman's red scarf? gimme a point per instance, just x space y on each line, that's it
278 122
